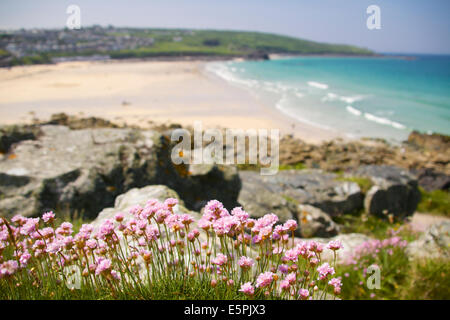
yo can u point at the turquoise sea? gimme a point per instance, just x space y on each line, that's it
383 97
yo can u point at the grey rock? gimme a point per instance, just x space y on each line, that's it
395 191
10 135
140 196
314 222
434 243
312 187
259 198
84 170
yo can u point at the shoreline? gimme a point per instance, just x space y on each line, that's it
136 92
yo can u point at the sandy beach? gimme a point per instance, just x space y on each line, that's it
136 92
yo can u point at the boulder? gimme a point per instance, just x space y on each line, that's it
434 243
394 191
205 182
140 196
313 187
314 222
258 198
431 180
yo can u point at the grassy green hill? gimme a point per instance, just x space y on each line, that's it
212 42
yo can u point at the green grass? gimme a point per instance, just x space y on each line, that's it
428 279
163 289
281 167
435 202
400 279
297 166
373 226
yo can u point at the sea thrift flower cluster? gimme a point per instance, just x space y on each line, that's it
224 249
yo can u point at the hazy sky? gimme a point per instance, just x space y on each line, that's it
407 26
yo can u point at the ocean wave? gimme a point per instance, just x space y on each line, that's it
384 121
318 85
354 111
281 105
224 71
349 100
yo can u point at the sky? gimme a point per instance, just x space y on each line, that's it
407 26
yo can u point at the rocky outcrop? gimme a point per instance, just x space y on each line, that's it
84 170
76 123
435 141
422 151
434 243
394 191
312 187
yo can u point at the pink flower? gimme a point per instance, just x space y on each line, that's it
291 278
173 221
193 235
186 219
171 202
266 221
337 284
103 266
106 229
220 260
315 246
285 285
65 229
55 246
30 226
204 224
24 258
240 214
284 269
48 216
247 289
19 220
115 275
325 270
91 244
291 254
119 217
214 210
303 293
290 225
245 262
152 232
335 245
8 268
264 279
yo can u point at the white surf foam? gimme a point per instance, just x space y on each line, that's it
318 85
385 121
354 111
281 105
